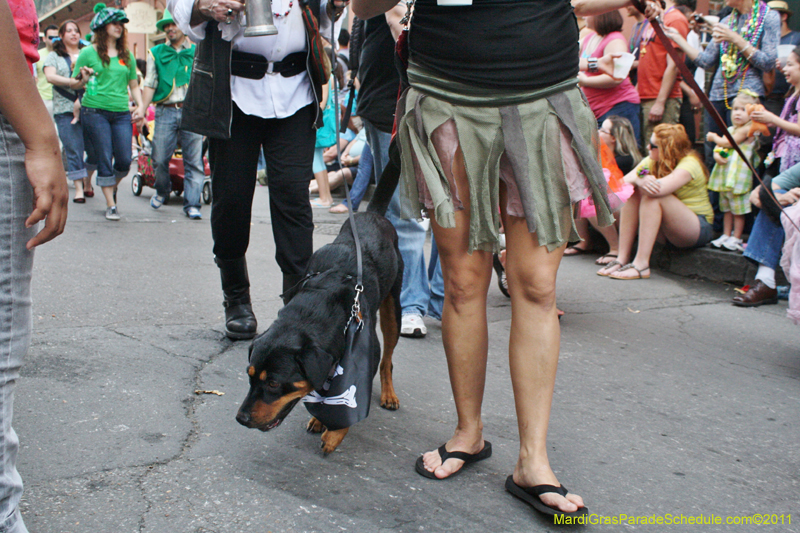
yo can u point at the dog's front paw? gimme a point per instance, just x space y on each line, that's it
314 426
390 401
332 439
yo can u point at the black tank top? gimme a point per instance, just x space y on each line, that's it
504 44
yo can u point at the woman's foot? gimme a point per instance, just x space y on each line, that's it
339 209
317 204
432 461
631 271
610 268
606 259
577 250
531 477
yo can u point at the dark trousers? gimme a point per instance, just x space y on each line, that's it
289 152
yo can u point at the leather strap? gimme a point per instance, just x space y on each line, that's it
689 79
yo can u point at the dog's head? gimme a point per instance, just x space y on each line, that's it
284 366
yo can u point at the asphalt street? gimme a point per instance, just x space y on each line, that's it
669 401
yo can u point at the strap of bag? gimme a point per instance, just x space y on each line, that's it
356 312
712 111
356 40
62 91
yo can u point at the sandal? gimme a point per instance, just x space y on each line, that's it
502 280
629 266
609 265
530 495
317 204
574 250
468 459
339 209
600 261
89 193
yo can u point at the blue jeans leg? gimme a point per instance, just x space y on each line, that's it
193 169
110 134
436 303
16 263
71 136
766 241
411 235
165 139
362 179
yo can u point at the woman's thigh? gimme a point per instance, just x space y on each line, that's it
679 224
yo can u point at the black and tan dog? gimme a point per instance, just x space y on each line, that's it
295 355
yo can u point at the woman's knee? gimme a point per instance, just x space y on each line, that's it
535 290
465 288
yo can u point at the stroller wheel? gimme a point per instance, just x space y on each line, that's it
207 192
137 184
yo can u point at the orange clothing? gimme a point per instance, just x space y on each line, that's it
653 59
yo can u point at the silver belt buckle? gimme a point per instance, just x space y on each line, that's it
270 67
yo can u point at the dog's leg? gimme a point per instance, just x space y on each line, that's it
314 426
332 439
390 327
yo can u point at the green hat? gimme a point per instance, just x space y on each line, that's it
105 15
166 18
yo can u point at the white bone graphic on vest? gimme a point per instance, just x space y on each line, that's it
335 371
347 398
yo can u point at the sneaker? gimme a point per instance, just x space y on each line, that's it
112 213
156 201
194 213
413 326
718 243
733 245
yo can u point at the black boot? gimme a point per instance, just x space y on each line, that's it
240 322
289 281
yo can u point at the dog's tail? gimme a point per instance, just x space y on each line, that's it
387 183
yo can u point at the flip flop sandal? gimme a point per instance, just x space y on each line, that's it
89 193
600 259
609 265
574 250
530 495
628 267
468 459
316 204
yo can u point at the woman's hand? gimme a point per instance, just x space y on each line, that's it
790 197
649 185
763 116
83 77
137 117
755 199
219 10
46 174
722 33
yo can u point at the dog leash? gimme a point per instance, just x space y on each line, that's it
355 313
712 111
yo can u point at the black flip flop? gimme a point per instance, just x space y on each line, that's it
468 459
530 495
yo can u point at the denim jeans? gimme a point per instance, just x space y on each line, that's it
16 262
71 136
165 138
416 293
362 179
627 110
766 240
110 135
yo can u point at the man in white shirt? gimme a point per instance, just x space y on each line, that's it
277 110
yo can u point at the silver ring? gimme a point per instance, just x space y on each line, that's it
230 12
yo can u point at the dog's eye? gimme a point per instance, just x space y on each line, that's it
273 385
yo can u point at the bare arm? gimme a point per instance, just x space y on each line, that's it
393 17
672 182
366 9
585 8
21 105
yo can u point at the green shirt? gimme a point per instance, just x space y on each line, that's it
108 87
788 179
45 89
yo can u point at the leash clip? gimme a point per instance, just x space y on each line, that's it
355 312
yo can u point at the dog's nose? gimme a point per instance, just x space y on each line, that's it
243 418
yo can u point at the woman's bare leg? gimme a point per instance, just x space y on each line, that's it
325 197
464 328
533 353
610 234
628 228
666 215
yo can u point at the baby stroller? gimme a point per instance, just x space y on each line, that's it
147 175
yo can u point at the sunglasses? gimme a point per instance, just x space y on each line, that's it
651 146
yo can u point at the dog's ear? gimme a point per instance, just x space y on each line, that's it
315 363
